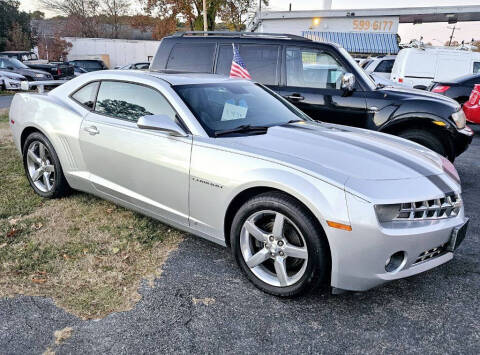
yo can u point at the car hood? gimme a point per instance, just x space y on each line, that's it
12 75
339 153
31 71
415 94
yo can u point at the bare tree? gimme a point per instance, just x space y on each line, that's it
82 15
113 11
234 13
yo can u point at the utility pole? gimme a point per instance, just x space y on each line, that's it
453 31
205 25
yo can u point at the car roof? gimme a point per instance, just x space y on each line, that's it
187 78
462 79
277 38
15 52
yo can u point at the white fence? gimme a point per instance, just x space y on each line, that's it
114 52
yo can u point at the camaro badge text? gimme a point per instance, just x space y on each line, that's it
206 182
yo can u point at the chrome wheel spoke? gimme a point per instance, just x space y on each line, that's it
46 180
256 232
37 174
33 157
280 238
49 168
41 150
281 271
278 225
296 252
258 258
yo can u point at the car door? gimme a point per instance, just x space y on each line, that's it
142 168
313 84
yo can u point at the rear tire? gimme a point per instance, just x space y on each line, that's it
426 139
279 245
43 168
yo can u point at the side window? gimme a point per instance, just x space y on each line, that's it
131 101
192 57
260 60
86 95
476 67
385 66
313 68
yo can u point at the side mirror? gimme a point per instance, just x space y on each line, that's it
162 123
348 82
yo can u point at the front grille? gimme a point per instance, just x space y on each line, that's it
445 207
430 254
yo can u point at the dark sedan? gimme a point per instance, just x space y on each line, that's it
458 89
16 66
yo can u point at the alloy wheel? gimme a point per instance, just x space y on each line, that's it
40 166
273 248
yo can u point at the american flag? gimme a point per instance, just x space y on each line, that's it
238 69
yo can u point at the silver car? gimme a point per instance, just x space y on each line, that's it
300 203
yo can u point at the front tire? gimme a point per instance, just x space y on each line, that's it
426 139
279 245
43 168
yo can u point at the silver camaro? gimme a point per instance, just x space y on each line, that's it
300 203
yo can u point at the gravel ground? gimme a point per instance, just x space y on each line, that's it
202 303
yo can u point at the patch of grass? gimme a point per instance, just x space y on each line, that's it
16 196
3 117
87 254
7 92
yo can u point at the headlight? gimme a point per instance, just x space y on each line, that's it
460 119
387 213
39 75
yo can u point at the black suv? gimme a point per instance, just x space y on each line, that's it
59 71
324 81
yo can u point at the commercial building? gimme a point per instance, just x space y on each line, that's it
361 31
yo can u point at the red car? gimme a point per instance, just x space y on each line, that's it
472 106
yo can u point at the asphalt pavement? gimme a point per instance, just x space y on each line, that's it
5 101
203 304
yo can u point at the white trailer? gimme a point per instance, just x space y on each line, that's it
114 52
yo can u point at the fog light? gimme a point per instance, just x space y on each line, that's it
395 261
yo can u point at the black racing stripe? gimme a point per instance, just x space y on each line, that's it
442 185
422 170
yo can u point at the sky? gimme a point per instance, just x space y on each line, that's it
436 33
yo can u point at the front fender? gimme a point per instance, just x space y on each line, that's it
218 176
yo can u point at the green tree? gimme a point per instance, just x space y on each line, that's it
15 30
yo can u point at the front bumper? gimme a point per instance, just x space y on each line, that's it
359 256
12 84
462 139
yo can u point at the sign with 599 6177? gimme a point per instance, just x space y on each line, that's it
375 25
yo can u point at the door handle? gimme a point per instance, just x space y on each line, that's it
294 97
92 130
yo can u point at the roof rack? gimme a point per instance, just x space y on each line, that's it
239 34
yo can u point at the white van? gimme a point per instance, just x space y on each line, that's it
418 67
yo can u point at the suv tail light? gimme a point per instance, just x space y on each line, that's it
475 95
400 80
441 88
59 72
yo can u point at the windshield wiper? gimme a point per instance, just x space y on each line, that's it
241 129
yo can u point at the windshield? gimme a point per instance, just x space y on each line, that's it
11 62
228 105
366 78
